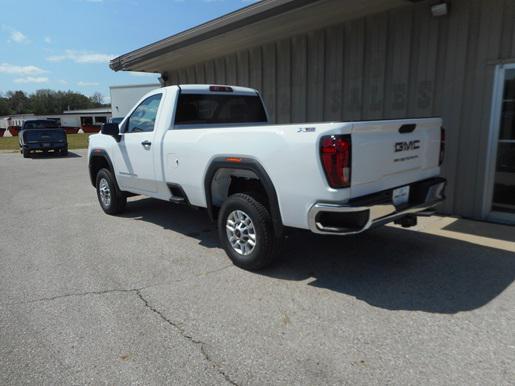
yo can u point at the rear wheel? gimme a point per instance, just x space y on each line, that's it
110 198
246 232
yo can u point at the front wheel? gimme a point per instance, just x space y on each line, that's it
246 232
110 198
25 153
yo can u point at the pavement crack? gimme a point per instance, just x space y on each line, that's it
76 294
207 273
216 366
108 291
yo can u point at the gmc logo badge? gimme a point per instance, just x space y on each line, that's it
407 146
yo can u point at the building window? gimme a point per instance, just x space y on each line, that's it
100 120
86 121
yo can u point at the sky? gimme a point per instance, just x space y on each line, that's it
67 44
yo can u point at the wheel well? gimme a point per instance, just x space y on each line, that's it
95 164
227 181
224 177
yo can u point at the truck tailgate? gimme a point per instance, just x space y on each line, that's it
388 154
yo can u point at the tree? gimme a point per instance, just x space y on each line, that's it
47 101
97 99
18 102
4 106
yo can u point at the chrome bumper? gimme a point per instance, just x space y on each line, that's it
367 212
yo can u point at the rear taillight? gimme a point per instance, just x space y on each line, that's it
442 146
335 153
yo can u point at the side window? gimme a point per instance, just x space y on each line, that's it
144 117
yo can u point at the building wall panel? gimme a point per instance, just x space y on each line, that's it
269 79
231 69
315 75
243 68
424 57
210 72
283 91
299 76
256 69
453 87
333 79
220 74
200 73
353 69
375 66
398 58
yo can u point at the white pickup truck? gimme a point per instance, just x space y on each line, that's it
212 147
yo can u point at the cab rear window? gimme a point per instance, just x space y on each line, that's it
31 125
219 109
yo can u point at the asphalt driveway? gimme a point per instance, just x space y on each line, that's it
150 298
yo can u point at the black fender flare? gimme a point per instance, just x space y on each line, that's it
245 164
100 153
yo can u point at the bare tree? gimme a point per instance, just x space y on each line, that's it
97 98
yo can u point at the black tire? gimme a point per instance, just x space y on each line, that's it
25 153
117 201
266 243
64 152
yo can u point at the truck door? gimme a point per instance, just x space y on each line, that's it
137 169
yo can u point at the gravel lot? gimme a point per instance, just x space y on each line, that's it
150 298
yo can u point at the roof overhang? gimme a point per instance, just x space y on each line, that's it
256 24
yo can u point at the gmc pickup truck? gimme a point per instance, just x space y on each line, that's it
212 147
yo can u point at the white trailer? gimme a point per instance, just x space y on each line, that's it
123 98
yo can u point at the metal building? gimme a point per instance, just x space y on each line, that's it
326 60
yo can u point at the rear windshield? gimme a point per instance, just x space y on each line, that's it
40 125
44 135
219 109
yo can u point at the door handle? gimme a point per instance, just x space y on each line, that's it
146 143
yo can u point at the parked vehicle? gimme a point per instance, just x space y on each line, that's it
116 120
42 135
45 140
212 147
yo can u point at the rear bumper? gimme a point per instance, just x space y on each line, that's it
362 213
38 146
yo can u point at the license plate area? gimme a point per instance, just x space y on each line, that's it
400 196
46 145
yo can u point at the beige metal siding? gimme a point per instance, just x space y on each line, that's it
395 64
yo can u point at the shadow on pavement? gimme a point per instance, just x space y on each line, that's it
178 218
389 268
54 155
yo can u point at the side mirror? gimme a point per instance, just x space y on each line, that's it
111 129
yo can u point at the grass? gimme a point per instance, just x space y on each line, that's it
75 141
78 141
